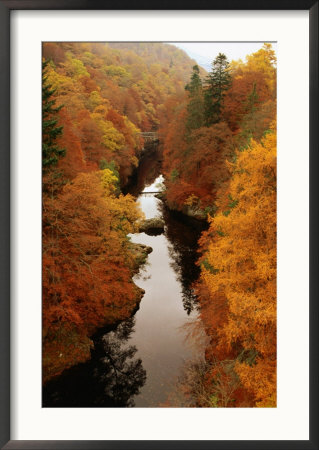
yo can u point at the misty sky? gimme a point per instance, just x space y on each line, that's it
204 53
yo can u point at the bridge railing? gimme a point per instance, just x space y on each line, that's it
149 134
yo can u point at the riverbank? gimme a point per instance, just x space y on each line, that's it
150 346
69 348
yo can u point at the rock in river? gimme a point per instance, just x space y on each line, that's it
140 252
152 226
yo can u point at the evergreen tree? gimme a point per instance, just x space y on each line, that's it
195 107
217 83
51 152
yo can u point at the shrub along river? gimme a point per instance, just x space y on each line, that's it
138 362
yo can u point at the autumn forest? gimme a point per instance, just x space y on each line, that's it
159 227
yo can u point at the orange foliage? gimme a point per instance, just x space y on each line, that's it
198 162
235 103
97 82
227 172
74 161
108 94
87 264
239 272
197 159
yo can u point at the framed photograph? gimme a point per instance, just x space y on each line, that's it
159 253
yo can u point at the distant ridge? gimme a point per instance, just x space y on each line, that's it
202 61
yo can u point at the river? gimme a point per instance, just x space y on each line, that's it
138 363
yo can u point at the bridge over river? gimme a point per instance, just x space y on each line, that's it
150 136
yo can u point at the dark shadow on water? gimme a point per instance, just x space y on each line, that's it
183 233
153 232
111 378
114 375
148 170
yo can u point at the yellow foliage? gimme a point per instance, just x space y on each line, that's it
191 200
119 73
134 161
241 263
125 214
109 181
74 67
264 61
134 132
70 91
112 139
95 100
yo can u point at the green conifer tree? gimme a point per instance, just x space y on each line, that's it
51 152
217 83
195 107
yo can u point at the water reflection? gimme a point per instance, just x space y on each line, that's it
160 333
111 378
115 376
148 170
183 234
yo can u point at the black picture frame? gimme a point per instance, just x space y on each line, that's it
6 6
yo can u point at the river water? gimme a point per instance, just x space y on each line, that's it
138 362
159 335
